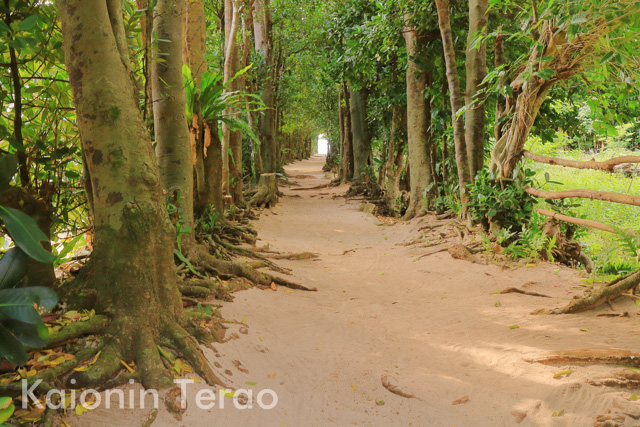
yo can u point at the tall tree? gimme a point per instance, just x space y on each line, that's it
232 139
457 101
418 124
262 32
476 71
173 146
360 131
134 237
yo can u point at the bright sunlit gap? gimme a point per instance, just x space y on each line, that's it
323 145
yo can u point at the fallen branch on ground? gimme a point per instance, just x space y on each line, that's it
520 291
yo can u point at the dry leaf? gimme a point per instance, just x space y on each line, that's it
563 373
463 399
274 287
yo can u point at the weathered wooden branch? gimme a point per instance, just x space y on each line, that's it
608 165
586 194
579 221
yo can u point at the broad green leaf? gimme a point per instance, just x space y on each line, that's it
28 23
25 232
17 303
11 349
13 266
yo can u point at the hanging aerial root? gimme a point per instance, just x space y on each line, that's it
600 296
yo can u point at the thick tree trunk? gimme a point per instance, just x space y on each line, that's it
208 150
464 176
346 160
360 131
395 157
418 130
476 65
262 27
132 270
232 140
529 97
175 155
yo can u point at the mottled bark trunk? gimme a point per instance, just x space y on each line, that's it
360 131
462 161
418 130
346 165
232 140
395 157
263 44
133 235
173 146
476 67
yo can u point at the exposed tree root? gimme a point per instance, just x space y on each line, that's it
520 291
95 325
267 195
294 256
200 257
624 378
391 384
253 254
600 296
317 187
589 356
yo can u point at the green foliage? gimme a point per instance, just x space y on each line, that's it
506 204
20 321
210 222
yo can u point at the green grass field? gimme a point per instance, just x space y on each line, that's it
603 247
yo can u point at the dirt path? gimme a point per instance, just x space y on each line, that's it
435 325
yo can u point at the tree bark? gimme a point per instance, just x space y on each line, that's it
346 161
173 147
132 268
262 30
418 129
232 140
462 160
476 67
395 157
586 194
146 24
360 132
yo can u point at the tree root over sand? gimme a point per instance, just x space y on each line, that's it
294 256
199 256
267 194
600 296
392 385
624 378
589 356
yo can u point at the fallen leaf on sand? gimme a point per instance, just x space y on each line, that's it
563 373
274 287
353 387
463 399
557 413
514 326
380 402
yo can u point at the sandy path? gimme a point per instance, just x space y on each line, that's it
432 324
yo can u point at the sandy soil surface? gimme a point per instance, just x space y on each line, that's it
436 327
